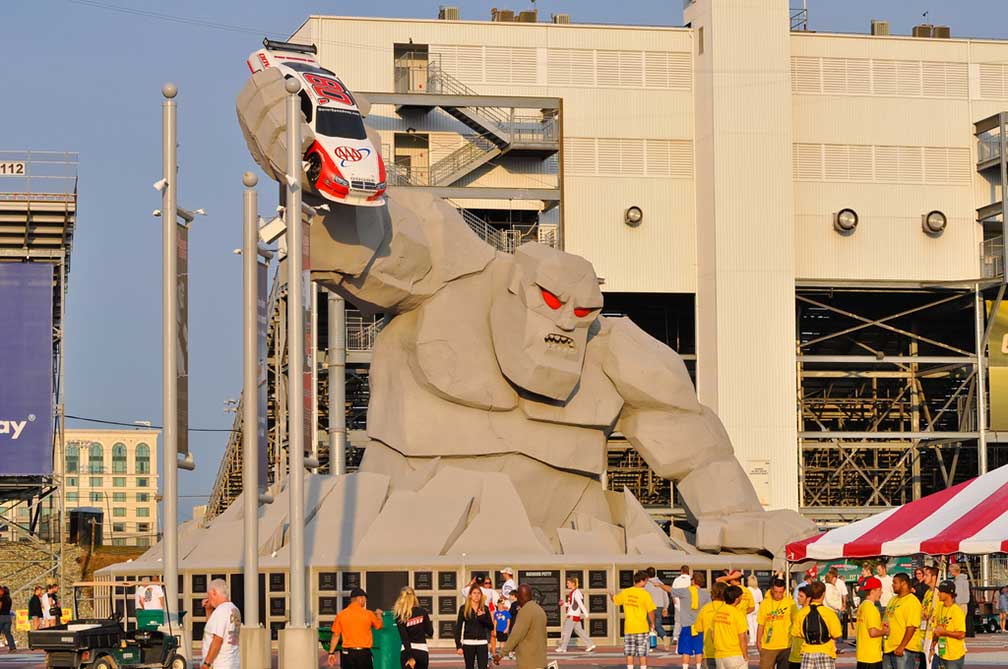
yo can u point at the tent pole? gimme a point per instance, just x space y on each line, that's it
980 316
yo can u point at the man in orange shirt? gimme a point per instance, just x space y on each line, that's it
353 625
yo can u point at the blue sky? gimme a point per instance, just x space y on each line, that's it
87 78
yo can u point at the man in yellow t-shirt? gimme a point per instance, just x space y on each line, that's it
869 629
746 604
903 615
817 653
730 632
773 631
705 619
949 629
638 619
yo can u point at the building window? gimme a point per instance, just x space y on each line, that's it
141 483
118 542
142 458
96 482
700 40
71 497
118 512
119 459
143 512
97 497
143 528
118 481
118 527
118 497
96 459
143 497
72 458
72 482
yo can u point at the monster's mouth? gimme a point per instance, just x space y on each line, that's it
558 341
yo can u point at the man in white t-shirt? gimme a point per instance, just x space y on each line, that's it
222 629
683 580
149 596
509 583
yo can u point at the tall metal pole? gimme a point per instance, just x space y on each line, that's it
250 404
169 337
295 355
336 358
980 315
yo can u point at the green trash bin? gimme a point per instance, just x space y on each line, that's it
149 619
387 644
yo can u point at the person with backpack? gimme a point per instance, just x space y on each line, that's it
818 627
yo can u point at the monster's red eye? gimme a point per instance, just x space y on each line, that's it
581 312
551 300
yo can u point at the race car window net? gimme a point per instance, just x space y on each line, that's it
306 106
337 123
305 67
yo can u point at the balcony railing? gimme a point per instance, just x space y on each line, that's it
992 257
474 148
361 332
988 147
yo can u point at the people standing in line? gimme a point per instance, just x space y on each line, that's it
35 617
528 636
415 627
811 574
845 601
818 626
729 631
689 601
887 584
353 625
509 583
918 584
51 610
833 598
704 619
474 631
486 586
929 601
948 645
866 573
683 580
773 626
224 628
962 597
745 602
903 615
576 614
869 629
752 585
6 618
638 619
502 619
1002 605
795 657
659 596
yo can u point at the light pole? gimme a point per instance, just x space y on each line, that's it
297 641
336 359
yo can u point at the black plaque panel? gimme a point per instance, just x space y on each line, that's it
197 630
626 578
667 575
598 627
598 603
278 606
277 582
328 581
328 605
423 580
383 588
199 583
275 628
764 578
598 578
351 580
197 608
446 606
446 629
447 580
427 602
576 573
545 590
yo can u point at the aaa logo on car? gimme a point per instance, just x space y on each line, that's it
348 154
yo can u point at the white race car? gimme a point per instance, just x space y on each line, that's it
343 164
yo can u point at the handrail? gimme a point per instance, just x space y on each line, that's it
992 257
474 148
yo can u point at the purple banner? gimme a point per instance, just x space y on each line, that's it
26 365
262 330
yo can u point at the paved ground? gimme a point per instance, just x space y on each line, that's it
988 651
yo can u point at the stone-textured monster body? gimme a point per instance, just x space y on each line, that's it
493 362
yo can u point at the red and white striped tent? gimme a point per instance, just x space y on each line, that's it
971 517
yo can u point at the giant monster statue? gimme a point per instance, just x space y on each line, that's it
497 363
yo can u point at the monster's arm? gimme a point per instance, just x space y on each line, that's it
387 258
683 440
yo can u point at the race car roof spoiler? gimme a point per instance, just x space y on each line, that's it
275 45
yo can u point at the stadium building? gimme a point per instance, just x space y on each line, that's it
813 220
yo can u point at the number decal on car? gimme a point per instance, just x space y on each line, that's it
329 90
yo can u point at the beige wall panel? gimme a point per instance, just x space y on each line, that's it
888 244
878 120
657 256
511 173
626 112
865 46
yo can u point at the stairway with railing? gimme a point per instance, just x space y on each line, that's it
476 151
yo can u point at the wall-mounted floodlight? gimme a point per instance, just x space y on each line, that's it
160 185
633 216
273 230
934 223
845 221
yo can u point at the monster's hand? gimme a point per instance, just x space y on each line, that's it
770 531
262 117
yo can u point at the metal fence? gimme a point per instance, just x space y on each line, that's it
38 175
989 145
992 257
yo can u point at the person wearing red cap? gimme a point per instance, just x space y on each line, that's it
811 574
869 628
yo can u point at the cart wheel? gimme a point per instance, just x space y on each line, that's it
102 663
177 662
